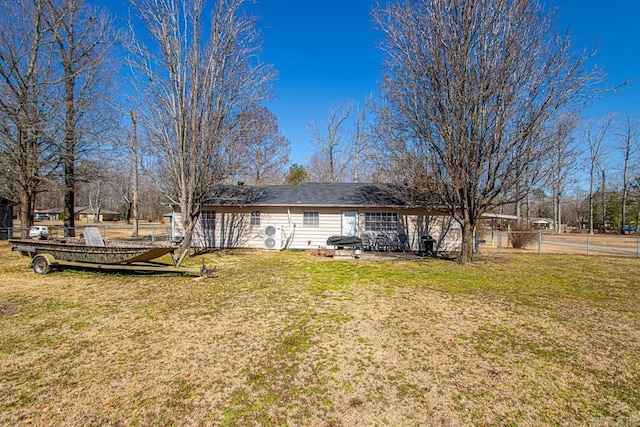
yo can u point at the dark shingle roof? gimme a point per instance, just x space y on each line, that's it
313 195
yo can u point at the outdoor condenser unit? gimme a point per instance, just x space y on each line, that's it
273 237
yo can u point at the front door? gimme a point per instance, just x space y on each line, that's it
349 223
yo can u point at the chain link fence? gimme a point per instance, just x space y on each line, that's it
546 242
147 233
541 242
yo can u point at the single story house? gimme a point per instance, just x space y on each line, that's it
86 214
497 221
48 214
304 216
542 223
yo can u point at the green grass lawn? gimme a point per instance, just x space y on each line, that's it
283 338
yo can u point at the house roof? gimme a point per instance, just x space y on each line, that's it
493 215
313 195
86 210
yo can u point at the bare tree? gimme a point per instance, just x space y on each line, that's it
473 87
26 89
595 134
362 142
135 182
192 87
84 38
332 157
563 162
264 150
629 145
96 180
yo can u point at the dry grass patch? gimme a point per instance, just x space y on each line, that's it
289 339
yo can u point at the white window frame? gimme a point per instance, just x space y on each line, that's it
255 218
311 219
381 222
208 220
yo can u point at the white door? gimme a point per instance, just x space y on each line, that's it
349 223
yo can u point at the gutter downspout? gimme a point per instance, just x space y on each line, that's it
292 228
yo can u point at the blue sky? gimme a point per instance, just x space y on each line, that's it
325 52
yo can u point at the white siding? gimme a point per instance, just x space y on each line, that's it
233 229
418 223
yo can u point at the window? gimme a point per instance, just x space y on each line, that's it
255 217
208 220
454 225
385 222
208 224
311 219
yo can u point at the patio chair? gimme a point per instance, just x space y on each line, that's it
403 242
367 242
383 242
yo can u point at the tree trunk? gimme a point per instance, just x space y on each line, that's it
591 196
134 143
26 213
604 203
188 227
559 216
69 156
518 200
623 214
466 248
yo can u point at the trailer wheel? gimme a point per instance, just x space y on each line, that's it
41 265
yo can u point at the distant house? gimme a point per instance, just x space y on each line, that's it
87 215
47 214
542 223
6 218
303 217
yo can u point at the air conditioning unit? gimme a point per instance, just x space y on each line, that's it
273 237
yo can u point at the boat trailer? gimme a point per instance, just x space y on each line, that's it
47 255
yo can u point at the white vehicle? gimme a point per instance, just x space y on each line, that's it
39 232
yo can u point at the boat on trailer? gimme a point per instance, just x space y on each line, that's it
94 253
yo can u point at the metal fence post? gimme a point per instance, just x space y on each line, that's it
499 241
539 242
588 243
153 234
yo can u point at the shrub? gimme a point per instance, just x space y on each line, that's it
522 235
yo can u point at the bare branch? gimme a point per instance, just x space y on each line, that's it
472 88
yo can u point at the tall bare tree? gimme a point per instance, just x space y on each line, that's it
84 37
344 144
563 162
628 137
362 142
193 86
332 156
26 92
135 182
595 134
473 85
264 151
